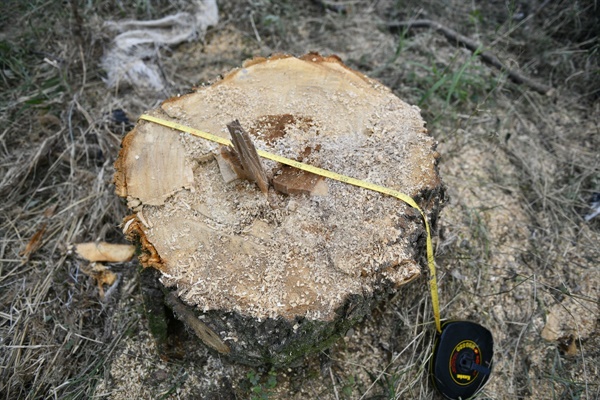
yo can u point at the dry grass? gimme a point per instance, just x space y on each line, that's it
513 247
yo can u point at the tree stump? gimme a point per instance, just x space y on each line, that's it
266 277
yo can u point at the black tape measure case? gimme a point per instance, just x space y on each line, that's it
462 359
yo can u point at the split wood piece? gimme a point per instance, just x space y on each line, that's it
230 166
105 252
295 181
102 275
276 277
187 315
155 169
288 181
247 155
488 57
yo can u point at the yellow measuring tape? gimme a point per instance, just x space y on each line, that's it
331 175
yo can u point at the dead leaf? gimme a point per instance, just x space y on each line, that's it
568 345
102 275
34 243
49 121
571 317
50 211
106 252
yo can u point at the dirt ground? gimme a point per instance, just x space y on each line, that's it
516 247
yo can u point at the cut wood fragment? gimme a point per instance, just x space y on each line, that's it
295 181
229 165
157 172
208 336
105 252
102 275
274 277
247 156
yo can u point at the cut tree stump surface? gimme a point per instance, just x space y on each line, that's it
323 253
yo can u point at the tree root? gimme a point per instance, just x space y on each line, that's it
488 57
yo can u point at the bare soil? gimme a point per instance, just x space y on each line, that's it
514 249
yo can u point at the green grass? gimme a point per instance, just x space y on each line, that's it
261 385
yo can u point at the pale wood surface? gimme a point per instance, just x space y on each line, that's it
224 245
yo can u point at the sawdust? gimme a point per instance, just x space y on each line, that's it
138 372
486 213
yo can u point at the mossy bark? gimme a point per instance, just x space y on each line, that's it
274 342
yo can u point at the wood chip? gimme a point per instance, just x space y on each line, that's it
101 274
230 165
105 252
295 181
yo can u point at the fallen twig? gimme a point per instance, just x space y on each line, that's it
488 57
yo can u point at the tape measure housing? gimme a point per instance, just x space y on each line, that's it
462 359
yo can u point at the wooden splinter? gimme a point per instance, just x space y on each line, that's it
247 155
